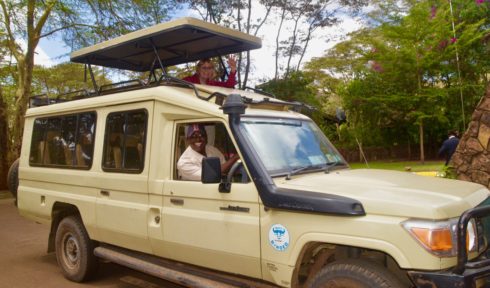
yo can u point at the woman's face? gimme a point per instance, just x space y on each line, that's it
206 71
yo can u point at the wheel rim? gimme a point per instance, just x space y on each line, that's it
71 251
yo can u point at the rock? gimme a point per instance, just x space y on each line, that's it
472 130
473 147
485 118
481 163
476 115
463 168
484 135
464 177
480 177
472 157
485 103
457 159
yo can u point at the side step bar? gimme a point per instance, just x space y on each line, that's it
182 274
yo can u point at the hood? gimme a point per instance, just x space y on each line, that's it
392 193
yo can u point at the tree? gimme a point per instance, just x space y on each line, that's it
82 23
64 78
307 16
401 72
229 14
297 87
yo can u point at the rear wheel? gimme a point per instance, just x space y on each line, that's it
75 250
13 178
354 273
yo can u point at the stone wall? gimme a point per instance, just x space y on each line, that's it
472 157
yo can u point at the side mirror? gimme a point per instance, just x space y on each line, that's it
211 170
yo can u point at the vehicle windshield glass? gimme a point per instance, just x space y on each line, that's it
285 145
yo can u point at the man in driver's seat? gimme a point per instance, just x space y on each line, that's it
190 162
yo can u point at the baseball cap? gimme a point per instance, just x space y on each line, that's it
191 129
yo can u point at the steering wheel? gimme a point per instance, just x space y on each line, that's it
234 168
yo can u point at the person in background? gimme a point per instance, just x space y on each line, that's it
449 146
206 74
190 162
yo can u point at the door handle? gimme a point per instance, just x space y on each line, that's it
177 201
105 193
235 208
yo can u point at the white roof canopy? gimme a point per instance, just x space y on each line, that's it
175 42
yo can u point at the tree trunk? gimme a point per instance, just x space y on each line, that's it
293 44
277 41
247 66
421 138
3 143
24 70
308 38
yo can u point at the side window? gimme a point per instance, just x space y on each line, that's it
63 141
84 144
36 157
124 144
216 136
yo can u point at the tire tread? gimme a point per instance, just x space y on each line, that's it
361 270
89 263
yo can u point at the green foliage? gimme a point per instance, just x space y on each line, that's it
402 72
449 172
64 78
89 22
297 87
413 166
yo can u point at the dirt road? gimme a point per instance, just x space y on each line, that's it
24 262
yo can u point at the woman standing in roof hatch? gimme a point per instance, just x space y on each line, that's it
206 73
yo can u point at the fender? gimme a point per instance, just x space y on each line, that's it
361 242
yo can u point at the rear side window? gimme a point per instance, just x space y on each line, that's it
63 141
124 143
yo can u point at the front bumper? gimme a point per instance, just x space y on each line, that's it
477 278
467 274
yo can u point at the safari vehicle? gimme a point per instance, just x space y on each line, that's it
99 166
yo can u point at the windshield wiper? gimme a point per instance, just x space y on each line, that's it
329 165
325 167
296 171
302 168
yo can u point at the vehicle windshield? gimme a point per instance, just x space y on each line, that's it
287 146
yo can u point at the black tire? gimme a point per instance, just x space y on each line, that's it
13 178
75 250
354 273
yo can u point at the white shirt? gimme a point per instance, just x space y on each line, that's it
190 162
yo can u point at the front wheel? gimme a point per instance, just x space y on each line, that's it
354 273
75 250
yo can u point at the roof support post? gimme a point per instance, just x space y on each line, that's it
224 68
158 57
93 79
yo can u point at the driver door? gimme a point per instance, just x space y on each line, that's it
205 227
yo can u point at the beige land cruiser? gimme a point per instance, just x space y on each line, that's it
100 167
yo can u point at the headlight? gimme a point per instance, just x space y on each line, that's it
440 237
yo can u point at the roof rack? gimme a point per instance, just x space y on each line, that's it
157 47
261 91
121 86
44 99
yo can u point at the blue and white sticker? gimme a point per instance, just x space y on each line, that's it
279 237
